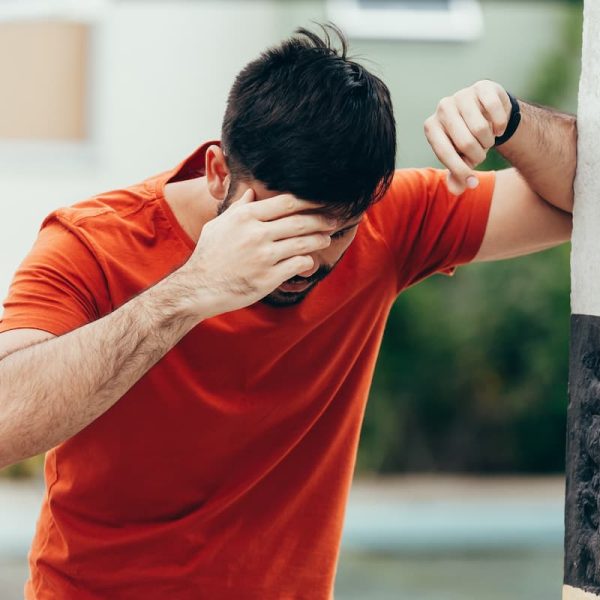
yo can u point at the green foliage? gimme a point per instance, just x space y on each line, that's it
473 370
24 469
558 73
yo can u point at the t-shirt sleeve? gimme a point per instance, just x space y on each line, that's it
58 287
428 229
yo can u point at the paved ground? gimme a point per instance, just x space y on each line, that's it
19 505
476 532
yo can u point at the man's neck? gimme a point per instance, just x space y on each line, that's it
192 204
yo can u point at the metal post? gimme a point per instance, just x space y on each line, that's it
582 508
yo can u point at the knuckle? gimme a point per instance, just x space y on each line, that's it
473 148
495 105
480 156
256 235
482 130
301 245
265 254
464 94
301 227
466 145
442 106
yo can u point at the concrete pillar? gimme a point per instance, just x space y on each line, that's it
582 508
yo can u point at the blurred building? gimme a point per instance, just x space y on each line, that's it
102 93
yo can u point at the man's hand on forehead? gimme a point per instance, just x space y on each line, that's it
315 216
283 205
253 247
288 216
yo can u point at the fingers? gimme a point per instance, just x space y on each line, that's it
496 105
247 197
479 127
468 146
280 206
291 267
457 186
446 152
297 246
464 128
300 224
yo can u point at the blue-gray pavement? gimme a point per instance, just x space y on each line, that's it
514 516
19 506
394 527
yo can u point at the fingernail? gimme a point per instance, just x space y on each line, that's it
472 182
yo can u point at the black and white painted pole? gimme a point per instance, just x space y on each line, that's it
582 508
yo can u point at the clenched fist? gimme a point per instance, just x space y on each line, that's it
464 128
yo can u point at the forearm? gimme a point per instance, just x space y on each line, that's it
52 390
544 150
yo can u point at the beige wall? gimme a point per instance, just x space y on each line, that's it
43 75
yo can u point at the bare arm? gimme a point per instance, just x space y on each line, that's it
544 150
532 203
544 147
51 390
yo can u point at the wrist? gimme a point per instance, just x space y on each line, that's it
181 298
514 121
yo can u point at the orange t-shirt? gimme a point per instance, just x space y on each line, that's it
224 472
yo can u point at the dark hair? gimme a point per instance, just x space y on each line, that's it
304 119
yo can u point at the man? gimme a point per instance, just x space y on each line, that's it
195 352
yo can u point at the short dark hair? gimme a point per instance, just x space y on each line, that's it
305 119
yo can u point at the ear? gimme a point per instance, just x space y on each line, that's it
218 177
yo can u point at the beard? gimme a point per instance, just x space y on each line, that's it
279 298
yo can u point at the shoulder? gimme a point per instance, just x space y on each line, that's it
410 185
407 196
418 192
116 204
104 215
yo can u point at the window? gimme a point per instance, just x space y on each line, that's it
435 20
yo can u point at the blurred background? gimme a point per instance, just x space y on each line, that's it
459 489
